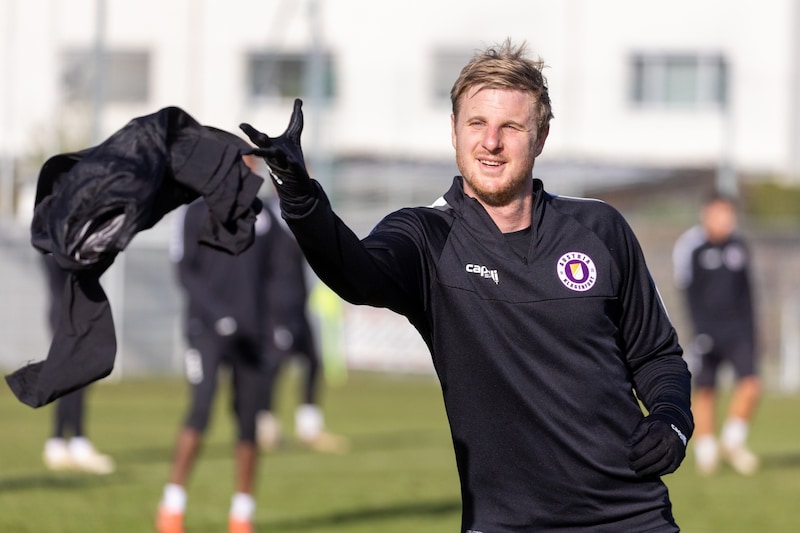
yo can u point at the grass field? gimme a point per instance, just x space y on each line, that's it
399 475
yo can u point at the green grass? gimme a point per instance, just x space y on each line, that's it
399 475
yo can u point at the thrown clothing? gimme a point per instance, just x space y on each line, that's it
90 204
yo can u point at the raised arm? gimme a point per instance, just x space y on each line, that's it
374 271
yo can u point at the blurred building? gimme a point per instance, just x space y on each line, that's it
679 83
640 90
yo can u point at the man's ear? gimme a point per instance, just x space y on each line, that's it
453 129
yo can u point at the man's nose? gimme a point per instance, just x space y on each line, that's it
493 139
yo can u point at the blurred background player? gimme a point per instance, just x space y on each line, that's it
225 327
712 267
293 337
68 448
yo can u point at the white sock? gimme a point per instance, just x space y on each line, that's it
734 432
308 421
80 447
174 499
243 506
268 427
705 448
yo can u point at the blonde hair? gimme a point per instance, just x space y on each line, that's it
505 66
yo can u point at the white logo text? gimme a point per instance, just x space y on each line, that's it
483 272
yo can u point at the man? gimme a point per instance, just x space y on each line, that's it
225 326
539 312
712 268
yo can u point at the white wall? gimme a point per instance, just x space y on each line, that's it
383 49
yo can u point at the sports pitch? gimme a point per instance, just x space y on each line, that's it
398 476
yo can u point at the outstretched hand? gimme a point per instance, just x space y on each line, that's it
284 155
656 447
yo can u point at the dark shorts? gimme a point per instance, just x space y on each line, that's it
711 353
207 354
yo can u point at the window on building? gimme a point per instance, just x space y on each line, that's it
447 65
683 80
126 76
273 75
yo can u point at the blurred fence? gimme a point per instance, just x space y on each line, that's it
146 303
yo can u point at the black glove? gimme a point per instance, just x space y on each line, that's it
284 156
656 447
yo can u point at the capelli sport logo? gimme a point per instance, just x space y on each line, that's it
577 271
483 272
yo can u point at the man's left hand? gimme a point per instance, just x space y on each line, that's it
656 447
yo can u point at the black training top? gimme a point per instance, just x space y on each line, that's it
219 285
538 357
715 278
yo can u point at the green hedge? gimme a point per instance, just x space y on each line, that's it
772 201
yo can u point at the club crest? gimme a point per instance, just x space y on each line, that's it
577 271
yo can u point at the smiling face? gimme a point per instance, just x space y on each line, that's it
496 137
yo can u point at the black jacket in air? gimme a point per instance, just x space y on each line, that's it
90 204
538 357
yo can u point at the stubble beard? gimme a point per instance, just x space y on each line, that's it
495 198
509 190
